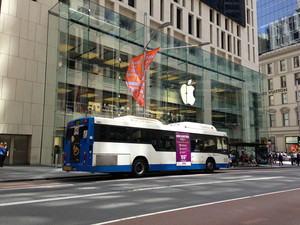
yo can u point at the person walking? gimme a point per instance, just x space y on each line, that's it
6 150
298 158
292 158
280 159
2 152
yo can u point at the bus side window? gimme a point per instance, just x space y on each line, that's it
210 145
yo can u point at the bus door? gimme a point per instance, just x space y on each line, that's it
78 144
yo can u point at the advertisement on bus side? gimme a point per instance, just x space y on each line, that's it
183 150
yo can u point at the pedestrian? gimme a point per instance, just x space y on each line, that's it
6 150
2 152
298 158
252 159
275 157
270 159
280 159
232 158
292 158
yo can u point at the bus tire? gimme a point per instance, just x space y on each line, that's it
210 165
139 167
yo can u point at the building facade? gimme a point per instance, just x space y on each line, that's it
72 62
278 24
283 70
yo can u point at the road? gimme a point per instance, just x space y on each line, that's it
262 196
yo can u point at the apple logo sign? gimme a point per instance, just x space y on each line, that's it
187 93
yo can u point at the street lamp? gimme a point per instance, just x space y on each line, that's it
187 46
154 33
145 49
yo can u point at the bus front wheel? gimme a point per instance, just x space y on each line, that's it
210 165
139 167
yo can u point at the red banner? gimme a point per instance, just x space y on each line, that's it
135 80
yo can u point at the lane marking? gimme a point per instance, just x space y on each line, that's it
133 190
195 206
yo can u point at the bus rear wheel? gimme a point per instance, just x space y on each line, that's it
210 165
139 167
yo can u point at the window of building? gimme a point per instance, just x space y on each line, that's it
285 117
284 98
162 9
223 40
272 120
270 84
229 43
297 78
171 13
211 15
199 6
269 68
296 61
191 24
226 24
179 11
298 95
283 81
218 19
282 65
248 16
238 47
151 7
131 3
238 31
271 100
198 28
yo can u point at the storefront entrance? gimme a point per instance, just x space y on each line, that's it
18 149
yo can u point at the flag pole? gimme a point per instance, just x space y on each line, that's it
144 52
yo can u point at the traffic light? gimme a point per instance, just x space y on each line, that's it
298 139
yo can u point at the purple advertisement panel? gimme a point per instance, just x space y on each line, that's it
183 150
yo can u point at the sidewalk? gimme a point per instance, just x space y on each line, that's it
28 173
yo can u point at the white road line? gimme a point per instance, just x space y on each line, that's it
195 206
133 190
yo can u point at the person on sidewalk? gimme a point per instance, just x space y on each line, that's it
252 159
6 151
280 159
2 152
292 158
298 158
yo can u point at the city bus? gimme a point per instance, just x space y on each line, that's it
139 145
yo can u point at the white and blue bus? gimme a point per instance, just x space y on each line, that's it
139 145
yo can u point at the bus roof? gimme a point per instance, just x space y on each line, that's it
135 121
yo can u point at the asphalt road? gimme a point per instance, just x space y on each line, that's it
270 196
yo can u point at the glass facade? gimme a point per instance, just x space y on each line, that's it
278 24
88 52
